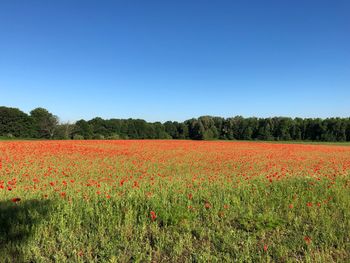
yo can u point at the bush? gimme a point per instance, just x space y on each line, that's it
10 135
98 137
114 136
78 137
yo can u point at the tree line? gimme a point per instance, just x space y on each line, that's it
42 124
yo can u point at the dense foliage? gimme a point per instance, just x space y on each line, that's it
40 123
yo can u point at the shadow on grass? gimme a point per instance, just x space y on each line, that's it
17 223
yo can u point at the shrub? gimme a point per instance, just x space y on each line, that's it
98 137
78 137
114 136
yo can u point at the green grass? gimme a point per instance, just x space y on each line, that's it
257 214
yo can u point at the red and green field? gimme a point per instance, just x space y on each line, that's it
173 201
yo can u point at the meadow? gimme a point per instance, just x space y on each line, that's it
173 201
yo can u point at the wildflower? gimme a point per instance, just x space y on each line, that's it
307 240
16 199
153 215
266 247
207 205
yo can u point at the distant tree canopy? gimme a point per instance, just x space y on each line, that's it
16 123
44 125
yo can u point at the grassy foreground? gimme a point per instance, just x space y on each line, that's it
173 201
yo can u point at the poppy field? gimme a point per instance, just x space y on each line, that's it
175 201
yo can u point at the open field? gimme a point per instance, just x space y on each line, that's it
174 201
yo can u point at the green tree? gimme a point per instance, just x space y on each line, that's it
195 129
64 131
45 123
182 130
84 129
99 127
14 122
210 131
171 129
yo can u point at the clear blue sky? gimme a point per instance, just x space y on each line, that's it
172 60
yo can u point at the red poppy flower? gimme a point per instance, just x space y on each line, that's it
266 247
153 215
307 240
207 205
15 200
